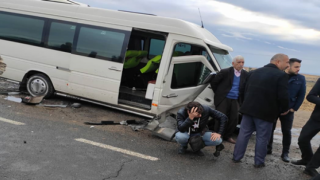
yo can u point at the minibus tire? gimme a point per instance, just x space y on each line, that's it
40 82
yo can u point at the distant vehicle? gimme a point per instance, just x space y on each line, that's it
138 63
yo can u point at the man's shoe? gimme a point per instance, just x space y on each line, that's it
199 153
311 172
259 165
299 162
230 140
285 158
269 151
236 161
218 149
182 149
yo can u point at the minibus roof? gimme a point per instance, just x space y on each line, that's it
121 18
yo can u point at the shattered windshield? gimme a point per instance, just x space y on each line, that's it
222 56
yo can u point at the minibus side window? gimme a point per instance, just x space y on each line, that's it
61 36
22 29
156 47
184 49
189 75
102 43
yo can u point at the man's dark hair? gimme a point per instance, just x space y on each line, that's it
190 105
293 60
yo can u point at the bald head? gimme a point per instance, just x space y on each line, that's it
281 61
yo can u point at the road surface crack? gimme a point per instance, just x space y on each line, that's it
118 172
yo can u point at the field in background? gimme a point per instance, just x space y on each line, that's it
311 80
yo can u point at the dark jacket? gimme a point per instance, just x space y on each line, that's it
313 97
297 91
222 83
265 93
183 121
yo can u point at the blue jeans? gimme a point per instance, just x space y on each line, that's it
182 139
250 124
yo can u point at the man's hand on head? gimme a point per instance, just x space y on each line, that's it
193 113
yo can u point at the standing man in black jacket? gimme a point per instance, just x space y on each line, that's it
265 97
309 130
193 120
226 94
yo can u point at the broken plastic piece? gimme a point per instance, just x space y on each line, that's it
76 105
14 99
102 123
32 100
54 105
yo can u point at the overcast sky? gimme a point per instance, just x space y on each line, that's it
254 29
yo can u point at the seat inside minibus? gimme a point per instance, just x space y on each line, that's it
142 60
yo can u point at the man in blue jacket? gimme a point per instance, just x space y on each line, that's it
297 92
192 120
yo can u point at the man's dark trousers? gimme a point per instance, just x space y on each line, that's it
229 107
286 126
250 124
309 130
316 177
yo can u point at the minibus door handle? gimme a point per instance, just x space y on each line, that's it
114 69
170 96
62 68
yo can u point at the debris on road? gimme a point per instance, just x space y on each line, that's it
135 125
165 130
102 123
76 105
32 99
14 99
54 105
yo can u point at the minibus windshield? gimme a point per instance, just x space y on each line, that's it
222 56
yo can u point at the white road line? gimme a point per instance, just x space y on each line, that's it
11 122
124 151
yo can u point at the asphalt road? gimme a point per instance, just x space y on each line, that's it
55 144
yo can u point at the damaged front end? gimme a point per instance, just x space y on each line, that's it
2 66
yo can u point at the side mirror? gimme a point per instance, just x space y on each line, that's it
209 78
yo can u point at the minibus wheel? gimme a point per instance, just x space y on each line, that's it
40 85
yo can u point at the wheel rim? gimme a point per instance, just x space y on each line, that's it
38 87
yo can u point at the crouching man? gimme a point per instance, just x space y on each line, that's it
192 120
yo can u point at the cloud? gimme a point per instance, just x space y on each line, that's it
283 29
236 35
287 20
301 12
287 49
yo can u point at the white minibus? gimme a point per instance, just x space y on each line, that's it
139 63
